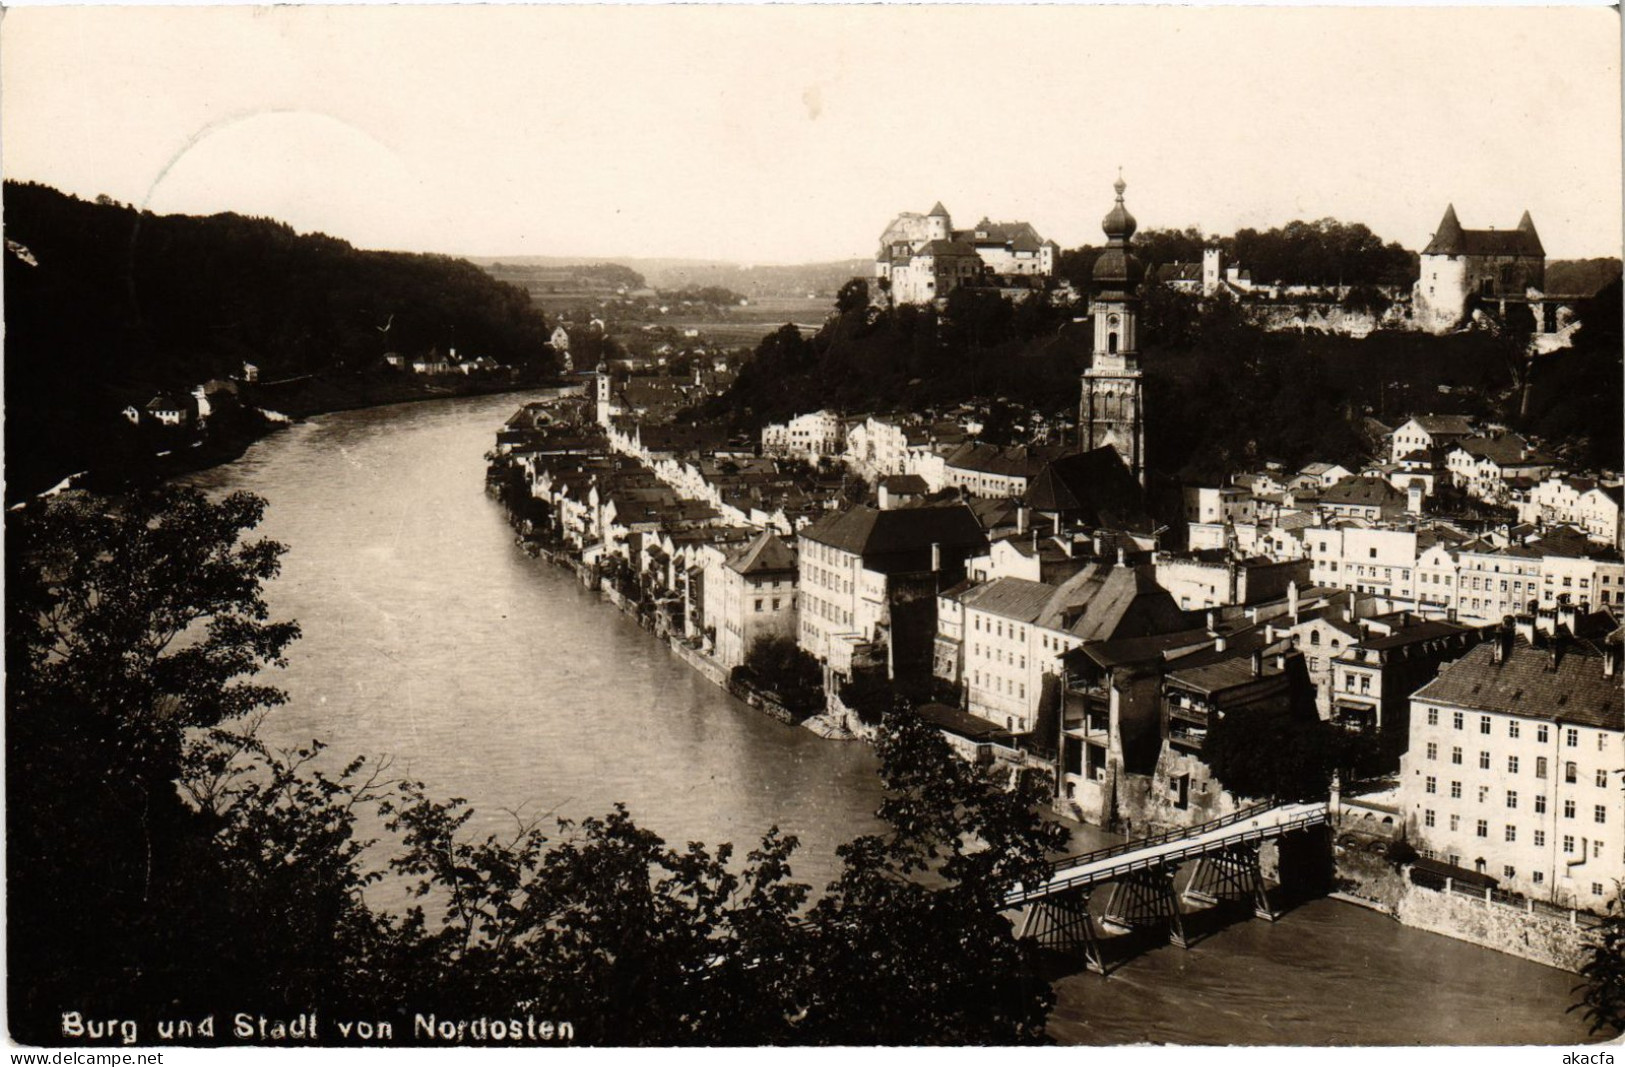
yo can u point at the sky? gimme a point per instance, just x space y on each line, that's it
795 134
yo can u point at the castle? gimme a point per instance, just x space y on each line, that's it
923 258
1458 264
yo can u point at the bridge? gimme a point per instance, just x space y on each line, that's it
1139 879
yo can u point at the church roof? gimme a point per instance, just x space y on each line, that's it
1094 486
1452 240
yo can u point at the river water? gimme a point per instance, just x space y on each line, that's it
429 637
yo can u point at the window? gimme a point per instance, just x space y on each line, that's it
1433 750
1540 803
1483 761
1600 813
1602 779
1512 764
1455 822
1433 716
1512 798
1428 817
1314 637
1538 877
1571 773
1573 738
1512 832
1455 790
1596 889
1568 809
1540 838
1540 766
1483 724
1483 828
1455 755
1540 734
1568 843
1509 872
1483 793
1456 719
1432 784
1512 727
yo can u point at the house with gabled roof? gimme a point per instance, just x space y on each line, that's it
750 595
1428 433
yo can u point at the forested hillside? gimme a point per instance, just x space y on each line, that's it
1221 394
106 305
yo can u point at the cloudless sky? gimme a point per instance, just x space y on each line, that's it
793 134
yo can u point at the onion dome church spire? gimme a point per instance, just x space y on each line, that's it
1117 271
1110 409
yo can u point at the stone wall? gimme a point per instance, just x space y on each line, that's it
1532 935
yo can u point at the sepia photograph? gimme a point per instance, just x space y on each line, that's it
554 526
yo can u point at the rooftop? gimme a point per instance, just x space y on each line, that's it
1527 683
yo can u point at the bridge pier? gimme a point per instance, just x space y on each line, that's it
1234 874
1146 898
1062 922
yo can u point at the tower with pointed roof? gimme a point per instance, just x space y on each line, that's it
1459 264
1111 408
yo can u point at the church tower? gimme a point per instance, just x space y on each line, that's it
601 395
1110 411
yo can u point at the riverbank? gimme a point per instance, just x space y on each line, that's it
262 410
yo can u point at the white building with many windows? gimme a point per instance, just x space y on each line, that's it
1514 765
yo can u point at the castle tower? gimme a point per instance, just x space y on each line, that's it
1212 270
601 392
1111 408
938 226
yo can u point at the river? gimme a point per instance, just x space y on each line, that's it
429 637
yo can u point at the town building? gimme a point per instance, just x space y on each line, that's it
868 582
811 436
1428 433
1513 767
753 593
1459 264
1374 677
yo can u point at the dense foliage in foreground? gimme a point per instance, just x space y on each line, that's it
165 863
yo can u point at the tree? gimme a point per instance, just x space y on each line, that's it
910 939
1272 752
165 862
128 629
779 664
1603 991
854 296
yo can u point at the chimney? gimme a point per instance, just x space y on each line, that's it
936 558
1280 663
1218 644
1292 600
1503 643
1122 558
1021 519
1610 659
1258 662
1525 625
1100 545
1210 620
1553 652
